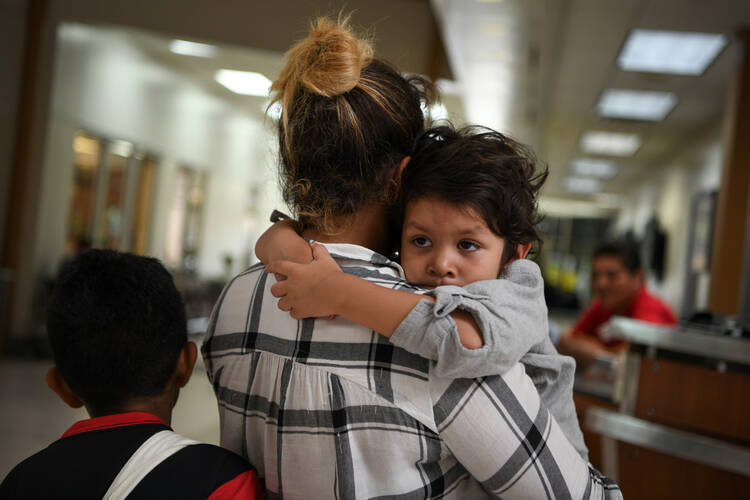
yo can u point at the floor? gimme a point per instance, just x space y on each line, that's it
31 415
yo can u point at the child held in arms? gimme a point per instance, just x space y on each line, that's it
116 324
469 204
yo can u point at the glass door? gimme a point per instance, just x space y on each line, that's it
112 198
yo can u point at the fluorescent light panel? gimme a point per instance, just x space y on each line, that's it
676 52
244 82
610 143
583 185
591 167
635 104
186 48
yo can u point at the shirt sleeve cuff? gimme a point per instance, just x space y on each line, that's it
414 334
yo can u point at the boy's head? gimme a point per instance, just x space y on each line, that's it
469 201
616 275
116 324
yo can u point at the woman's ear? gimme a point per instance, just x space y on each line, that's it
59 386
401 167
185 363
394 184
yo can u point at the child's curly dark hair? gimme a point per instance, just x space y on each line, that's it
479 168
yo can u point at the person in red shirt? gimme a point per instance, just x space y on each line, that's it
617 279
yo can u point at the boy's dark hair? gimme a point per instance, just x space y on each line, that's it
482 169
116 324
626 251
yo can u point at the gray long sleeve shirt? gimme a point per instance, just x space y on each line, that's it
512 315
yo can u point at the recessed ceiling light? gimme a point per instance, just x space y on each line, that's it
591 167
635 104
676 52
610 143
244 82
186 48
582 185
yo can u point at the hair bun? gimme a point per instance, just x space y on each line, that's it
328 62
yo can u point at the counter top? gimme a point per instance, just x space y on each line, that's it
680 339
686 445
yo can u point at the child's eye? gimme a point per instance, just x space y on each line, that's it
421 242
468 245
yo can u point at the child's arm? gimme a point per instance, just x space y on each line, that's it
322 289
281 242
511 314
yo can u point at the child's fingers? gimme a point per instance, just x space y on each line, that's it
284 267
279 289
319 251
284 304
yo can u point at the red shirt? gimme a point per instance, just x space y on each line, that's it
645 307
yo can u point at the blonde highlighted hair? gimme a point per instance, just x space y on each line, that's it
347 120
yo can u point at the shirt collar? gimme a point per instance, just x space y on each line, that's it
348 251
112 421
639 297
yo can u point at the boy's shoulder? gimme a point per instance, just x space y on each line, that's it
14 484
85 465
196 471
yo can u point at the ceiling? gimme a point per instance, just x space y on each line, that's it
531 68
557 57
583 65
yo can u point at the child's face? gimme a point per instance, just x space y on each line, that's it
446 244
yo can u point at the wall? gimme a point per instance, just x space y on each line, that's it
667 195
12 45
105 85
398 25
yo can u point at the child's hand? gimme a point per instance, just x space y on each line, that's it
281 242
309 290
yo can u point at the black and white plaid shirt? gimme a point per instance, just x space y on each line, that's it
330 409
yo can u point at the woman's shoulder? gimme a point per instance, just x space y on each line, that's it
365 263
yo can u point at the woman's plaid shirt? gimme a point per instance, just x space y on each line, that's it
330 409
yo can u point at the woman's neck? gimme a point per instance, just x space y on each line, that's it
368 228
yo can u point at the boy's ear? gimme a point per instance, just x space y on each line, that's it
59 386
185 363
522 251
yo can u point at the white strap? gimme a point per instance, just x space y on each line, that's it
151 453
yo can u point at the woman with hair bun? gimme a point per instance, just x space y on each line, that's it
348 120
328 408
